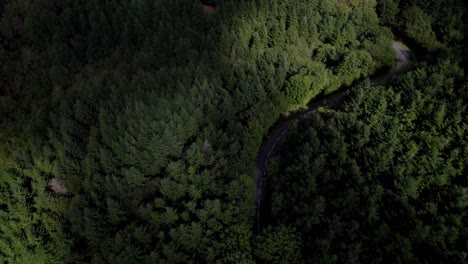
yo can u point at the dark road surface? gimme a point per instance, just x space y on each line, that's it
271 145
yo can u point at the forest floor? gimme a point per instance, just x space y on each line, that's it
403 58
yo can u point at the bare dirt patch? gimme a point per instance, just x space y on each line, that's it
57 186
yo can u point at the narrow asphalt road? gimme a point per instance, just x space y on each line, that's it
271 145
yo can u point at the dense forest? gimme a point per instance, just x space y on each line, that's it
383 178
129 131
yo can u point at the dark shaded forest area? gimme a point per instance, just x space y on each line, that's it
383 178
129 131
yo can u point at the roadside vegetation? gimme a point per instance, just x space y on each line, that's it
383 178
148 116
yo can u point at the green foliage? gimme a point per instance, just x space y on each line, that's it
384 178
279 244
388 11
305 85
418 27
152 114
430 23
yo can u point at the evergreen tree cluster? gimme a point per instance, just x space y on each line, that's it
429 23
151 113
129 129
384 178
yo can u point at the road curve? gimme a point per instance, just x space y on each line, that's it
273 142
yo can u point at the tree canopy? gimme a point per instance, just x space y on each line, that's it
383 179
148 116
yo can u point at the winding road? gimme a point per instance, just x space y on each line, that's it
273 142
